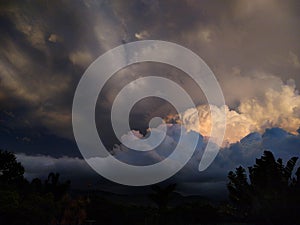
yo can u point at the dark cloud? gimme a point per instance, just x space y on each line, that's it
251 46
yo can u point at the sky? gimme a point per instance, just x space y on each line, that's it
252 47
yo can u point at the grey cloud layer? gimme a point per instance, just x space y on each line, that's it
210 182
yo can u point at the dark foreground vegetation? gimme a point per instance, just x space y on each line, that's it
268 193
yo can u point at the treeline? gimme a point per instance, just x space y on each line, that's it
270 194
267 193
37 202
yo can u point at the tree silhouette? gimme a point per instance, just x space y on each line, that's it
53 185
270 193
240 191
53 179
10 169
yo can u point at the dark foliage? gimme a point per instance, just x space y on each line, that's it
271 194
10 170
268 194
32 203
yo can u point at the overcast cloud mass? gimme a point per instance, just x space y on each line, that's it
252 47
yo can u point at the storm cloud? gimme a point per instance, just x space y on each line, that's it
252 47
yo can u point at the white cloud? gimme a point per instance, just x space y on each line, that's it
237 125
206 35
81 58
142 35
55 38
294 60
275 108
